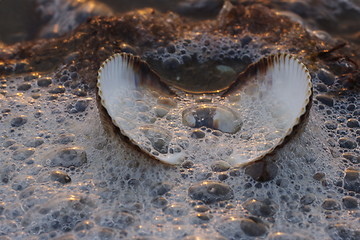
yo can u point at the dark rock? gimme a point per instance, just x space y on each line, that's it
81 105
65 139
35 142
342 232
347 143
23 153
332 125
160 188
197 134
321 87
210 192
57 90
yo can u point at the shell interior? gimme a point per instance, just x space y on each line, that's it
244 123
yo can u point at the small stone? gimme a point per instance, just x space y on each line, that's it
29 78
326 77
330 204
171 48
23 153
210 192
353 158
245 41
60 177
343 232
24 87
352 123
78 92
44 82
220 166
57 90
352 180
253 227
325 99
66 157
347 143
9 142
350 202
18 121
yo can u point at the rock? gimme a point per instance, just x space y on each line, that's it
347 143
210 192
176 210
253 227
66 157
307 199
23 153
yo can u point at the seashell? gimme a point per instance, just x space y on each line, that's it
240 124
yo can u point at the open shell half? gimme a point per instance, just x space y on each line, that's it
240 125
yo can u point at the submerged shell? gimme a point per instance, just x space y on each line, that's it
244 123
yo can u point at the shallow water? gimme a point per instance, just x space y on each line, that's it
63 176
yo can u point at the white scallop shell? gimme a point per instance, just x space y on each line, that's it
251 118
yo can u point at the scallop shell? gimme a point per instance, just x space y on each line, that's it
249 119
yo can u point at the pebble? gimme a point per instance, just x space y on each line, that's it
197 134
44 82
332 125
326 77
66 157
245 41
60 176
325 99
220 166
171 63
18 121
352 180
210 192
350 202
260 208
201 208
23 153
24 87
330 204
353 158
321 87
